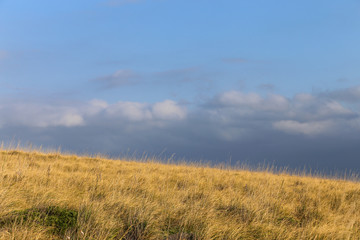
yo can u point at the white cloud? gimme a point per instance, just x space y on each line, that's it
230 115
40 115
119 78
253 101
307 128
351 94
313 108
49 116
303 114
250 125
95 106
333 108
234 98
133 111
96 111
168 110
275 103
122 74
303 98
69 120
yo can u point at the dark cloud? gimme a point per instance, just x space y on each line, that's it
306 130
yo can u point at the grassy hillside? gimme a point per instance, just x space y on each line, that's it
53 196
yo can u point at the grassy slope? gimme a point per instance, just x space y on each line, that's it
132 200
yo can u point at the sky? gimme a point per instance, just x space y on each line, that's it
230 81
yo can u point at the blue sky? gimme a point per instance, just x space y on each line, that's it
201 79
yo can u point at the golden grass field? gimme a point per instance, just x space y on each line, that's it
97 198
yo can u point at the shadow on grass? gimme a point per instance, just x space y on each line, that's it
58 220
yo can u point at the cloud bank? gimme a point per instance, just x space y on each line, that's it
318 130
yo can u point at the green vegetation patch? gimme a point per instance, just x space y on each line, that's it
58 219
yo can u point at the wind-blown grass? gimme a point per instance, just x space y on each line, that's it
106 199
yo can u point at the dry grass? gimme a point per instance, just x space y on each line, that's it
133 200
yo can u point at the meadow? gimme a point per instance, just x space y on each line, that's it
56 196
